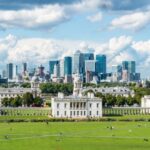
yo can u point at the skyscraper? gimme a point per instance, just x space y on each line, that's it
61 65
130 66
91 65
87 56
10 71
78 62
67 65
52 63
41 71
24 65
101 64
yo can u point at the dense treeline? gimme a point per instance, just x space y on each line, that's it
106 84
109 100
27 100
54 88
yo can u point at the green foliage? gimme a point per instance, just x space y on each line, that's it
26 85
38 102
26 100
54 88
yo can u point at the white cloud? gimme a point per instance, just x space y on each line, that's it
95 18
142 46
39 17
47 16
38 51
133 21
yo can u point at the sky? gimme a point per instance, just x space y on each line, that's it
42 30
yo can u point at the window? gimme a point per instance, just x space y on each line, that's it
77 113
65 105
65 113
90 113
57 105
84 113
70 105
81 113
97 113
74 113
57 113
90 105
97 105
70 113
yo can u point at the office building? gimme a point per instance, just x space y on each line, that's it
61 65
10 71
101 64
52 63
67 65
78 63
91 65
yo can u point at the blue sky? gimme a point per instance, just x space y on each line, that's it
37 31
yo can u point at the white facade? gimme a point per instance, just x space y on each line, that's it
76 106
122 91
145 102
14 92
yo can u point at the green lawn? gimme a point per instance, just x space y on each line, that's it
75 136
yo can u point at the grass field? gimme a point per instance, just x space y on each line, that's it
75 136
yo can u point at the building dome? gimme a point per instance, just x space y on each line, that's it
35 79
78 85
77 78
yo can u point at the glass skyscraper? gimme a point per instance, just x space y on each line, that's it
101 64
91 66
68 65
10 71
130 66
78 63
52 63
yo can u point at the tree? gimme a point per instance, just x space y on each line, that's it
121 101
26 85
5 102
38 101
28 99
110 100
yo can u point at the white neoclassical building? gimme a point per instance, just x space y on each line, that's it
76 105
145 101
19 91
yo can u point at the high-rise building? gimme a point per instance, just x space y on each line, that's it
130 66
67 65
52 63
87 56
4 74
41 71
91 65
78 63
10 71
56 73
15 71
116 73
101 64
61 65
24 66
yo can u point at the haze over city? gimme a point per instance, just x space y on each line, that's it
39 31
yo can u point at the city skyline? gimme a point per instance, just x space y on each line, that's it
36 32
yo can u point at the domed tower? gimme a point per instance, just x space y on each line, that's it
78 85
35 83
